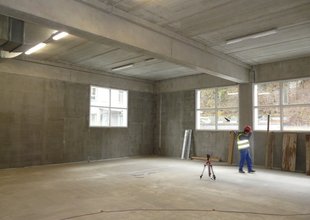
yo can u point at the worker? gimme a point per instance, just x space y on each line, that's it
243 141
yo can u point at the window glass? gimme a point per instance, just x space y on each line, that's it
206 119
261 116
99 116
227 119
228 97
296 118
108 107
268 94
206 98
287 103
118 98
217 108
118 117
296 92
100 96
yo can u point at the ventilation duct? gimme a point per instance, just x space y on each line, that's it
6 54
11 36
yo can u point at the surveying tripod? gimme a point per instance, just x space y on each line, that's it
210 168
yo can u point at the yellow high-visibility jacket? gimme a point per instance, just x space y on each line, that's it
243 140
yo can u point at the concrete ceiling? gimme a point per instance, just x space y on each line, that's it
202 24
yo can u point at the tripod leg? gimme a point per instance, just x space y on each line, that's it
209 169
204 167
213 175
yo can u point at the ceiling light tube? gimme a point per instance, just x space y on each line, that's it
35 48
264 93
149 59
252 36
60 35
122 67
232 93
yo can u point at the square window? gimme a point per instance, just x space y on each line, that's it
108 107
217 108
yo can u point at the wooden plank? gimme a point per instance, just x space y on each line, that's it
269 150
308 154
289 146
232 138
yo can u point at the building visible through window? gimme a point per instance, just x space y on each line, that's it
108 107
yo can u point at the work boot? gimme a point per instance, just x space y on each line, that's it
251 171
241 171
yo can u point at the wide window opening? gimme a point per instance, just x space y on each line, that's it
286 102
108 107
217 108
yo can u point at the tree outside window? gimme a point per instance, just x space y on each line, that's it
287 103
217 108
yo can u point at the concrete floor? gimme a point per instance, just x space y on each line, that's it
150 188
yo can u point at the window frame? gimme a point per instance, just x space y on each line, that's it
216 109
109 107
281 105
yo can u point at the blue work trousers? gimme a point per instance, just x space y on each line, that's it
245 156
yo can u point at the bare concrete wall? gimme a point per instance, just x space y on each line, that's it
75 75
45 121
190 83
288 69
178 114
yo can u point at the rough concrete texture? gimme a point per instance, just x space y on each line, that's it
288 69
45 121
67 73
177 114
190 83
150 188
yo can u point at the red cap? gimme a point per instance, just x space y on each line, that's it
247 129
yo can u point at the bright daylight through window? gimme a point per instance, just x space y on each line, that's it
108 107
287 103
217 108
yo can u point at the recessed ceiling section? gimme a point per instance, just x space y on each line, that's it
157 70
214 22
79 52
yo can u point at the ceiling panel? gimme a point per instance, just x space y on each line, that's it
209 22
212 22
83 52
108 58
260 54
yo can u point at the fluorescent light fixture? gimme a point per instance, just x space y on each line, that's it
60 35
122 67
252 36
35 48
232 93
264 93
149 59
6 54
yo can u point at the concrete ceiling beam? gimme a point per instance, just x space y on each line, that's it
100 26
